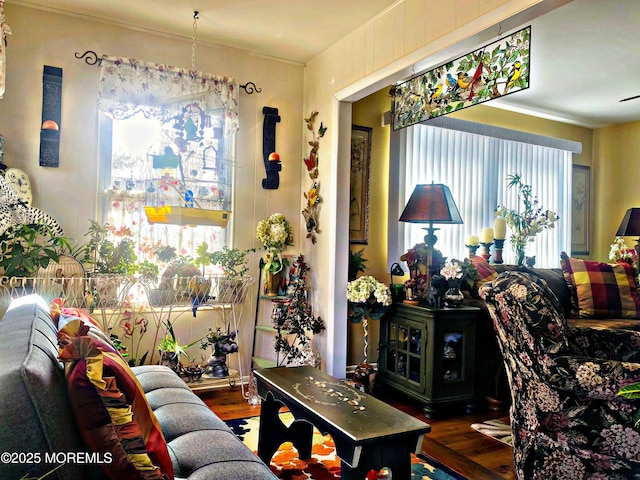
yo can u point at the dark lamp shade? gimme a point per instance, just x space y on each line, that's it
431 203
630 225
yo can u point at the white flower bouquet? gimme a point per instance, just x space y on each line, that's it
368 298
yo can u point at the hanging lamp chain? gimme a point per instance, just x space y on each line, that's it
193 40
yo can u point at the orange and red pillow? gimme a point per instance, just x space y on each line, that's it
602 290
486 272
110 408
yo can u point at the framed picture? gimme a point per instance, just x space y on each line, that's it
359 198
580 210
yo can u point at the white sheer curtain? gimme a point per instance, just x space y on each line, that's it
197 119
475 168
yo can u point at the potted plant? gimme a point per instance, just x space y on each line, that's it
233 263
111 250
112 255
176 275
25 248
200 285
170 349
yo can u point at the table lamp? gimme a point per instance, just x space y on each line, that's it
630 226
431 203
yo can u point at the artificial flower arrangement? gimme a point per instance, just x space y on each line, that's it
459 271
452 272
525 221
619 252
416 259
368 298
275 234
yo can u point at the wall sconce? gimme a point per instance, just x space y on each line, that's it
273 168
271 159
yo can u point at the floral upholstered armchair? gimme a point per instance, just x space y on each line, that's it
567 420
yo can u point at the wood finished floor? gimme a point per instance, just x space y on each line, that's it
452 441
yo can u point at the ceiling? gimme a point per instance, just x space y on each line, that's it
584 58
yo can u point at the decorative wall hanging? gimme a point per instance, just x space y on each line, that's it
4 31
271 159
359 198
311 211
51 112
580 210
493 71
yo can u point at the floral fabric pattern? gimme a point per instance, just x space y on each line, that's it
567 420
129 85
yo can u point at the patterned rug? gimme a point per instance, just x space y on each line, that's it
498 429
324 465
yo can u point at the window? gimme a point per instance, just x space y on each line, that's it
167 138
155 163
475 168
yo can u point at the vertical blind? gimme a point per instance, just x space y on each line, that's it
475 168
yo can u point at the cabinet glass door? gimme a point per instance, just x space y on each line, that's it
405 352
452 357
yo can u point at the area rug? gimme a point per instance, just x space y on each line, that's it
498 429
323 464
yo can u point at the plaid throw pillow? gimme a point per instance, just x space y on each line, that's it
603 290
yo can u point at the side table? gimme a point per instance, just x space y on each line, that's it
429 354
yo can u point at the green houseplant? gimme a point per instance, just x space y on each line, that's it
233 263
170 349
111 250
25 248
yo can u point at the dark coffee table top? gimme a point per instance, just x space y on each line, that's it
356 415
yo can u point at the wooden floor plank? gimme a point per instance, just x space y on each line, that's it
452 441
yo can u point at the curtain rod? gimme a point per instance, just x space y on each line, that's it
91 58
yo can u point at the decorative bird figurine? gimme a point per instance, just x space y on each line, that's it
514 74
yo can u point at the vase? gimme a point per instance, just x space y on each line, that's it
519 251
453 297
272 283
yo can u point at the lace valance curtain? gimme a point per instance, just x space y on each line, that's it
129 86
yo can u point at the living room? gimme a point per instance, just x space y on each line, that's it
347 83
283 85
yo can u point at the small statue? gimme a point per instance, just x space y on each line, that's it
218 361
364 377
439 286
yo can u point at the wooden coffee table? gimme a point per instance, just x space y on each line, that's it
368 433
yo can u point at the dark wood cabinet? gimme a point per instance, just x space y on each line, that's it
429 354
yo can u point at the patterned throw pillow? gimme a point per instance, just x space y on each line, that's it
111 410
602 290
486 272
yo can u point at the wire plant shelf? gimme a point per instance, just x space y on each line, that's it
111 298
